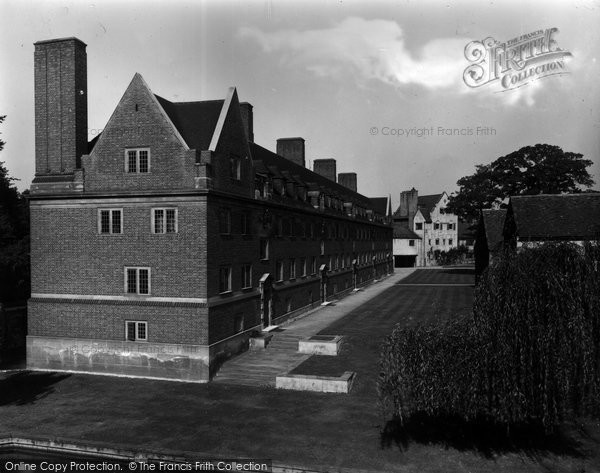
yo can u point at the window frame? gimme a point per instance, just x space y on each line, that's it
137 324
137 280
246 278
265 256
228 289
292 267
225 212
137 160
110 221
164 218
279 270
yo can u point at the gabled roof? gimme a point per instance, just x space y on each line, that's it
404 233
493 225
195 121
379 205
557 216
426 203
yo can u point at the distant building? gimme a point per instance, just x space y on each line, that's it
490 238
425 217
467 233
160 247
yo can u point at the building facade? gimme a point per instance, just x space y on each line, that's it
160 247
425 217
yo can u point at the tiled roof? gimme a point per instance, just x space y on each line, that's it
275 164
404 233
493 222
560 217
195 121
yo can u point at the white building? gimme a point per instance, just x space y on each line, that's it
425 217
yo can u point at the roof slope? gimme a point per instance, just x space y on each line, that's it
557 216
267 161
195 121
493 223
426 203
404 233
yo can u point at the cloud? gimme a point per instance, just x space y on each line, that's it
370 49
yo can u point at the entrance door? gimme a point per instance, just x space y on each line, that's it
266 299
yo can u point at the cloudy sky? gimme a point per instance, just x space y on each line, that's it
353 78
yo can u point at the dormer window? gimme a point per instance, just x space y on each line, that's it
137 160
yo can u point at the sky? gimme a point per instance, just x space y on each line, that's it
378 86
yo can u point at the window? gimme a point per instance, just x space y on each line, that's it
225 279
136 331
303 267
164 220
279 226
246 276
437 241
264 249
238 323
225 222
411 242
450 241
443 241
245 223
436 226
313 265
110 221
322 247
292 268
279 270
137 280
450 226
235 169
137 160
419 226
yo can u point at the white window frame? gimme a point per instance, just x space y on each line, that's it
137 280
228 289
110 222
246 281
137 325
137 160
153 220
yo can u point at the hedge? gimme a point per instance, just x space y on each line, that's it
529 352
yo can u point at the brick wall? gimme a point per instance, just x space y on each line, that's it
104 321
139 122
69 256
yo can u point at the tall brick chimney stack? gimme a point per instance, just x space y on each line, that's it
326 168
292 149
248 119
60 77
408 205
348 179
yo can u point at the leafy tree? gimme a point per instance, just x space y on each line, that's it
539 169
14 239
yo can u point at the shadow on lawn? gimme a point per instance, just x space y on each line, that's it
482 436
27 387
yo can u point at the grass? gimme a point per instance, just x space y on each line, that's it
297 428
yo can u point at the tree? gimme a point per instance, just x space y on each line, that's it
539 169
14 239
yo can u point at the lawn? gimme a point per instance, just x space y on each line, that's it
296 428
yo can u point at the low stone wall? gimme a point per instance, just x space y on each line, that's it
321 345
148 360
323 384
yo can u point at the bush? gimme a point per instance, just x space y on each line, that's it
530 352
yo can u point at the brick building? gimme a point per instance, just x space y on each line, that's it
161 246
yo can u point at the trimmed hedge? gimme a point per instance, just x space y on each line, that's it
530 352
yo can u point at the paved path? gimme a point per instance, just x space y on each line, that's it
260 367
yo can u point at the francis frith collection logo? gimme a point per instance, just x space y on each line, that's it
515 62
